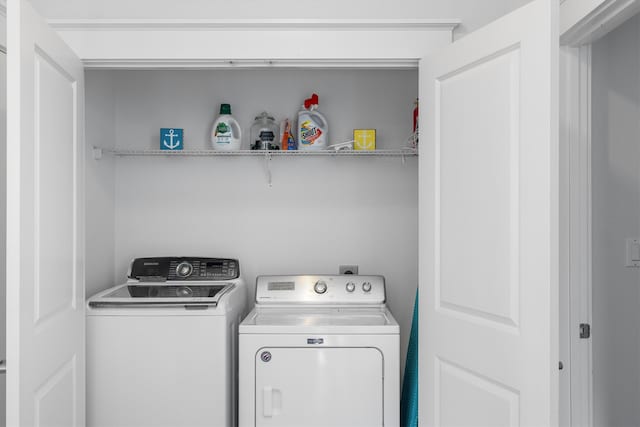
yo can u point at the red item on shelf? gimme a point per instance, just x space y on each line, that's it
311 101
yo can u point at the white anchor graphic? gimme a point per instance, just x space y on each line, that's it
365 142
171 145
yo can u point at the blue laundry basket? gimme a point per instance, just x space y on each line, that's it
409 399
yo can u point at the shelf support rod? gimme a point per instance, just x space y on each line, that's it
267 159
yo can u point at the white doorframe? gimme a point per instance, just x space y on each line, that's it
576 206
3 180
583 23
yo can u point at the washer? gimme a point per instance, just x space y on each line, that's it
319 351
162 347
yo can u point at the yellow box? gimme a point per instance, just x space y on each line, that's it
364 139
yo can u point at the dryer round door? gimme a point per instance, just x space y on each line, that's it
319 387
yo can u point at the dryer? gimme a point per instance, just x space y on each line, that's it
319 351
162 347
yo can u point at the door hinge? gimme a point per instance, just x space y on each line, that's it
585 330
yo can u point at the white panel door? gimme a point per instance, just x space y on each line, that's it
488 225
3 210
45 269
319 387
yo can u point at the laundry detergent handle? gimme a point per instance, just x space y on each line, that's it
313 128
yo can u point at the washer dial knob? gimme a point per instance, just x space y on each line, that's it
366 286
350 287
184 292
184 269
320 287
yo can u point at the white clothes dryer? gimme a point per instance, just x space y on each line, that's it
162 347
319 351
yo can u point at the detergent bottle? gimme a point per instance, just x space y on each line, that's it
225 134
313 129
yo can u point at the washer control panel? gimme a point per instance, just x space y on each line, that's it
184 269
317 289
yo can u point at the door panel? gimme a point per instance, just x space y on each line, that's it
495 405
54 209
319 387
482 202
488 225
45 226
52 406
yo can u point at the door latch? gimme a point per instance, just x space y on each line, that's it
585 330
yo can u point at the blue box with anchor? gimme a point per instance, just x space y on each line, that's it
171 139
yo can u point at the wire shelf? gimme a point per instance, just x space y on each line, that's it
404 152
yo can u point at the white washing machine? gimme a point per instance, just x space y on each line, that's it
319 351
162 347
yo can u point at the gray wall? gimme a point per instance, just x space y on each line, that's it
319 213
616 216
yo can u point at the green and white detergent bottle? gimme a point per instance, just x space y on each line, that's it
225 134
313 129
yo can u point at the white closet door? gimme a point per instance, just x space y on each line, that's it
45 231
489 225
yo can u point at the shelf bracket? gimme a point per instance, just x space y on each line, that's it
97 153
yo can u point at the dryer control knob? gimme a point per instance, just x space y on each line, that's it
320 287
366 286
351 287
184 269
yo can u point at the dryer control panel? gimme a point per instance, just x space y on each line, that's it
320 289
184 269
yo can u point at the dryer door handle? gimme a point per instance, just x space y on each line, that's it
267 401
271 401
